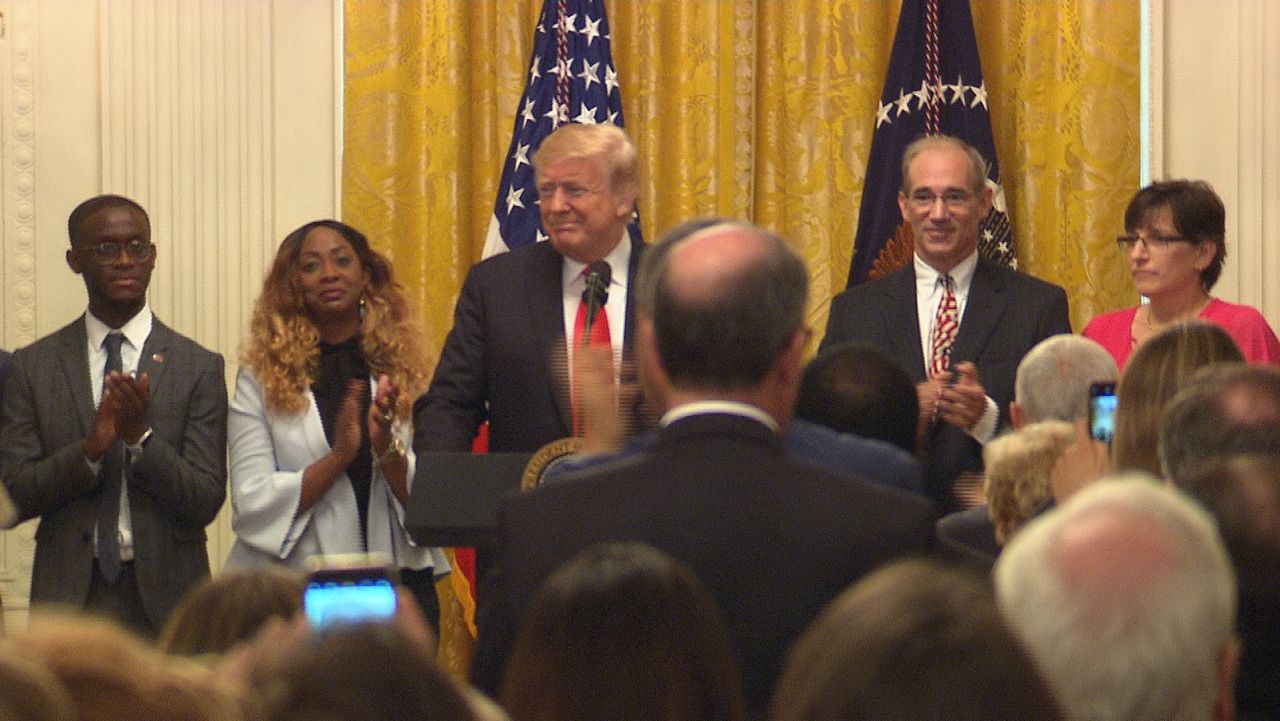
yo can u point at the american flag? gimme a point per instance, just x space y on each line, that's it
934 85
572 79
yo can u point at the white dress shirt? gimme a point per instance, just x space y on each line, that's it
573 283
135 331
929 294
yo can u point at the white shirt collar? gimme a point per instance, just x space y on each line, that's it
135 330
618 259
961 274
727 407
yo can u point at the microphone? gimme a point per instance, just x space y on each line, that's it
599 274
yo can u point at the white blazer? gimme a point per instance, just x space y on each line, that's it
269 451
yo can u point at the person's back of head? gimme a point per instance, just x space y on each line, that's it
1155 372
29 691
626 633
112 675
1125 597
1223 411
230 608
912 641
1243 494
724 302
854 388
360 672
1053 379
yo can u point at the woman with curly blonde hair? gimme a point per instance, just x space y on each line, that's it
320 425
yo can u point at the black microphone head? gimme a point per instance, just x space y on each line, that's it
599 274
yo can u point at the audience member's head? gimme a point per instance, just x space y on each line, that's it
1054 377
1243 494
854 388
230 608
1222 411
1019 467
361 672
1125 597
1155 372
111 675
29 691
622 632
914 640
721 315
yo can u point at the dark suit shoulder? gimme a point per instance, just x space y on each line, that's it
516 261
54 340
1023 281
181 343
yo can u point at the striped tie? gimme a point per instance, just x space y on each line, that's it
944 328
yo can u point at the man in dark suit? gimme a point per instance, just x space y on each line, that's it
123 491
956 322
720 345
505 358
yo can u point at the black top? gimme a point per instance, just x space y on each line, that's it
339 363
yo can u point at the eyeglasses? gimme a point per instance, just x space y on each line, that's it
138 250
954 199
1126 242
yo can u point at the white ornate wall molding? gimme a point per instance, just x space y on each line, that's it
220 117
1215 96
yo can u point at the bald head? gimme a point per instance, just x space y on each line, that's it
725 301
1131 576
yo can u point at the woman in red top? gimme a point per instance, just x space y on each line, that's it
1175 243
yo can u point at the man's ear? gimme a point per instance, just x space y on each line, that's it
1224 709
791 361
73 261
1016 415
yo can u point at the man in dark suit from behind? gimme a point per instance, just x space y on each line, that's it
130 543
720 344
964 379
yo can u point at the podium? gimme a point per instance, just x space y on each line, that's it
455 496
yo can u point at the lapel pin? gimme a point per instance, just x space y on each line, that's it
157 357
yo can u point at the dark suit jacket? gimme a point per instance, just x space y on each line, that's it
772 537
176 485
508 325
1006 315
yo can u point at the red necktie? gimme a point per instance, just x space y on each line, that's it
599 339
944 328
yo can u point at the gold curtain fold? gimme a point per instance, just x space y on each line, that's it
757 109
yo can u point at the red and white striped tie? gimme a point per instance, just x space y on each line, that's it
944 328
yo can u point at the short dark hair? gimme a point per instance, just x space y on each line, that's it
1224 410
731 340
855 388
1243 495
371 672
100 202
624 632
913 640
1198 214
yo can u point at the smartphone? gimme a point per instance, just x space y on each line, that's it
340 593
1102 411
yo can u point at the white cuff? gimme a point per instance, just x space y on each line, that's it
985 429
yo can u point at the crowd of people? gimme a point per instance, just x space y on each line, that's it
918 523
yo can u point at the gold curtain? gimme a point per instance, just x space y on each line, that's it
757 109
